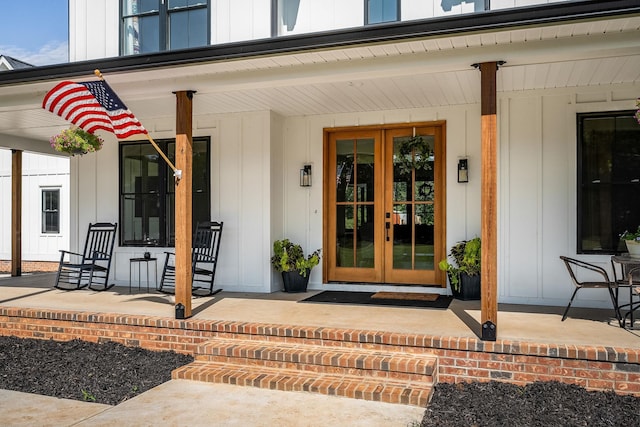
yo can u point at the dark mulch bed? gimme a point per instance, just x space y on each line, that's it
107 373
538 404
112 373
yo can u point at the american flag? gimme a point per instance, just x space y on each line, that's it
92 106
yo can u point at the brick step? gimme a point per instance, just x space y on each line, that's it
355 387
320 359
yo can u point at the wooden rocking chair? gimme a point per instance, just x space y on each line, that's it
204 260
91 267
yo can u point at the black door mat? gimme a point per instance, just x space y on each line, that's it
343 297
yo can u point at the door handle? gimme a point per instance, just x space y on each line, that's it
387 227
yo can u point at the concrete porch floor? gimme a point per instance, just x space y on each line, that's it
540 324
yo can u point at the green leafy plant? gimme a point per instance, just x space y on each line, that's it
75 141
414 153
627 235
87 396
289 256
466 256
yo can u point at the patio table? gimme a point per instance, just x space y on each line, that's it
629 269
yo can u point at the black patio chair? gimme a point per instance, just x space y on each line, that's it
204 260
573 266
629 279
91 267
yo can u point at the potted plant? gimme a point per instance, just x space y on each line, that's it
288 258
632 240
464 273
75 141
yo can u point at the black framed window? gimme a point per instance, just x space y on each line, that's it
377 11
608 180
155 25
51 210
147 192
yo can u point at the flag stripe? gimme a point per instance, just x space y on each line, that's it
92 106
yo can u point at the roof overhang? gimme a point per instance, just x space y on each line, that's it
388 67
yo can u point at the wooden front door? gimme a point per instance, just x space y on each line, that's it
384 204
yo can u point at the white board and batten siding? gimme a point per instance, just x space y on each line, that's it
39 172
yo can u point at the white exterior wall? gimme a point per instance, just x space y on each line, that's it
94 25
240 196
233 20
38 172
93 29
256 158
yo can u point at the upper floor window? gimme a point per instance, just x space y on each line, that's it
608 180
382 11
155 25
147 192
51 210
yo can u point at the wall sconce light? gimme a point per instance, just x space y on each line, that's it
463 170
305 176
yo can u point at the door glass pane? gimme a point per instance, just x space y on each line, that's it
413 185
424 237
345 153
344 236
402 237
364 237
365 170
423 159
402 168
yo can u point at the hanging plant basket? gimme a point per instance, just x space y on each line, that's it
414 153
76 141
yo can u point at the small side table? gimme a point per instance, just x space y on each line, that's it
146 261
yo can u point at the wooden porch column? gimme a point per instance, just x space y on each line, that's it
183 211
489 201
16 212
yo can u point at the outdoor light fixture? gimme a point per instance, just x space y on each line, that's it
463 170
305 176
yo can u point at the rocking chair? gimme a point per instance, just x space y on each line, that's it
92 266
204 259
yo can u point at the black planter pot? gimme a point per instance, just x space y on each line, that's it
469 289
294 281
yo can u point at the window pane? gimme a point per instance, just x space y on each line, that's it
50 211
382 11
141 35
134 7
173 4
188 28
609 180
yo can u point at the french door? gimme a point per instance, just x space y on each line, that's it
384 200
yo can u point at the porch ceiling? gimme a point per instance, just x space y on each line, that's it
375 77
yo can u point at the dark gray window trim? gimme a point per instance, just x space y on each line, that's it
396 31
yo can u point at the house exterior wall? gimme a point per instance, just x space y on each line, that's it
256 158
94 25
38 172
240 196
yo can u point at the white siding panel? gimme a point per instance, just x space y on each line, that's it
38 172
557 189
93 29
522 227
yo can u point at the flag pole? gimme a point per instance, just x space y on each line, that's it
176 172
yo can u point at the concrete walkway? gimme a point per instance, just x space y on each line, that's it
192 403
